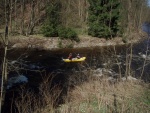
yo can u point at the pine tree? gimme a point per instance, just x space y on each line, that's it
104 18
53 26
53 20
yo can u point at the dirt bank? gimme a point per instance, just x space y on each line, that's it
50 43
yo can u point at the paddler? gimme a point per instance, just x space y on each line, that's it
70 56
78 56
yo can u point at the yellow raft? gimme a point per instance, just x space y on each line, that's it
75 59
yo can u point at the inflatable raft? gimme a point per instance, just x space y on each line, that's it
75 59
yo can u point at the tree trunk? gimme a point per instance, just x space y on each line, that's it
4 69
38 9
129 16
32 19
10 15
22 18
15 26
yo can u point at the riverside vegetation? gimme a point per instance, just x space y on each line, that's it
95 96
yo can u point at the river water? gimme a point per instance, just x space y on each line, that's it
36 64
25 61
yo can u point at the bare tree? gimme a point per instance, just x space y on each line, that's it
15 12
10 15
32 19
22 17
4 68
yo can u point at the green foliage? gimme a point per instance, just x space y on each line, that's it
53 14
146 97
49 31
60 44
69 45
124 39
81 31
104 18
52 26
67 33
53 20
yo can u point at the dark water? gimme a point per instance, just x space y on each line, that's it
146 27
37 64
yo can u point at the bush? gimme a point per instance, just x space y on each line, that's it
53 26
62 32
67 33
49 31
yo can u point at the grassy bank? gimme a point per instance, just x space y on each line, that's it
48 43
93 96
100 96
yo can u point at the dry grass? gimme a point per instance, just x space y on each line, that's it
103 97
38 41
42 102
93 96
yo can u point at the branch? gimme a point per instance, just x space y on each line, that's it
2 39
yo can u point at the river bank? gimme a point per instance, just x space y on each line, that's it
52 43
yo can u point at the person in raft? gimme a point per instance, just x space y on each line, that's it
78 56
70 56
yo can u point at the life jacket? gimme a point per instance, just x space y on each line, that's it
70 56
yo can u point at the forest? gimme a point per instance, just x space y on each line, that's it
108 18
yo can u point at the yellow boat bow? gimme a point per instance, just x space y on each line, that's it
75 59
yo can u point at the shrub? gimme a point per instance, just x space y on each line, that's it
71 34
60 44
62 32
67 33
53 27
49 31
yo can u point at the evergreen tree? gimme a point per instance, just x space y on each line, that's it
104 18
53 20
53 26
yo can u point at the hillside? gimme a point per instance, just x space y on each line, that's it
27 17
